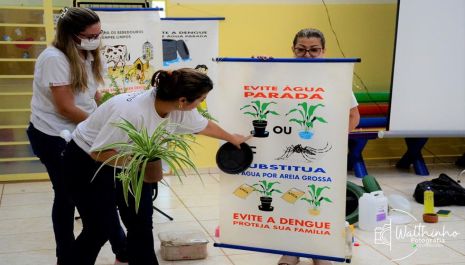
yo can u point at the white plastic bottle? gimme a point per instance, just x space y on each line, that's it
372 210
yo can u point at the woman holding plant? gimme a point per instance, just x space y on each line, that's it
131 131
66 77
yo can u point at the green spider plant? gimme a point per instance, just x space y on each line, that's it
316 198
170 147
265 187
307 117
260 110
206 114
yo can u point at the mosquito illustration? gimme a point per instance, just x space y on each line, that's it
307 152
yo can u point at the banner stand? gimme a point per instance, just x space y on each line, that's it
291 200
279 252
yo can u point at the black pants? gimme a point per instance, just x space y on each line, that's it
96 199
49 149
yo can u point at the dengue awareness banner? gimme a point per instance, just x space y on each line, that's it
131 48
291 200
191 42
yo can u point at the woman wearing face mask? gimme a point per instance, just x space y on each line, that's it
66 77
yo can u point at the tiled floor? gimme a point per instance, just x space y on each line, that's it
26 235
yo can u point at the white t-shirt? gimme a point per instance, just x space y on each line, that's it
354 102
99 129
52 69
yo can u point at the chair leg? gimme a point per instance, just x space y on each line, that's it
414 156
355 156
154 196
163 213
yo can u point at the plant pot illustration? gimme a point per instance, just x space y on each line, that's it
315 198
314 211
304 115
265 204
259 128
259 111
306 135
266 189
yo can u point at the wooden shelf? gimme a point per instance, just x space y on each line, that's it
22 25
16 76
18 60
23 42
13 126
24 177
14 110
16 159
14 143
15 93
22 7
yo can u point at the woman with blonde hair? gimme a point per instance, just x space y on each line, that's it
66 77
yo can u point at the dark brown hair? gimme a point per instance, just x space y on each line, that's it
184 82
310 33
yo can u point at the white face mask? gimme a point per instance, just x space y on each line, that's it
89 45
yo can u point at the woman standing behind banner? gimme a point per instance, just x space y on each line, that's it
66 77
310 43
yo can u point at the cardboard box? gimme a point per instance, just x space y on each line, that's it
183 245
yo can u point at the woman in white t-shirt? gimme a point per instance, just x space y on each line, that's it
310 43
175 97
66 77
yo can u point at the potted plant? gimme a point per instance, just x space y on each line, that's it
117 90
260 111
141 149
265 188
315 198
307 118
204 112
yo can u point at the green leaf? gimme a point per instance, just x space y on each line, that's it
319 190
320 119
142 147
246 106
312 109
312 190
327 199
297 121
257 105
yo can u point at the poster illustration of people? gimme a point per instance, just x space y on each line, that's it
131 49
292 197
193 43
135 44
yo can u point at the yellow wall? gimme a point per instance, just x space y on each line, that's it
364 30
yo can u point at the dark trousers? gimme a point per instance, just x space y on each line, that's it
139 225
49 149
96 199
